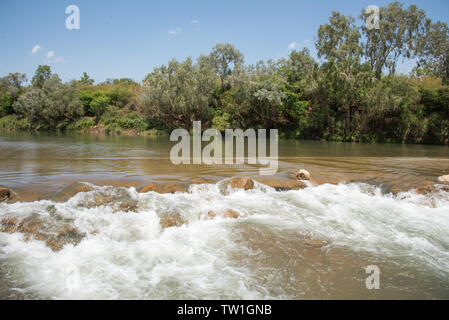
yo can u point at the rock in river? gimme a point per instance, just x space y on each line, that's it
242 183
4 193
302 174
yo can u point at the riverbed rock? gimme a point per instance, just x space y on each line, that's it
171 220
444 179
198 181
315 243
164 188
4 193
36 228
128 206
211 214
301 174
70 191
8 224
244 183
228 213
427 187
282 184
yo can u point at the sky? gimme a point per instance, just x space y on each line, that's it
119 38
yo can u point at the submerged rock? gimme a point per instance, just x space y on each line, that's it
426 187
228 213
4 193
128 206
244 183
171 220
315 243
301 174
444 179
198 181
282 184
35 228
70 191
164 188
8 225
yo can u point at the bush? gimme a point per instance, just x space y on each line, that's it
114 119
81 124
14 123
221 121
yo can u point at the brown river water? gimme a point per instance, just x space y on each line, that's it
360 208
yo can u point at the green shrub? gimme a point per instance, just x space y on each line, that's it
81 124
13 122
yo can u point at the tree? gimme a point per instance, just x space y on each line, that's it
11 87
179 93
42 74
435 58
52 106
343 74
397 36
98 105
86 80
225 58
339 39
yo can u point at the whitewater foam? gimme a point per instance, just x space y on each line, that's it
128 255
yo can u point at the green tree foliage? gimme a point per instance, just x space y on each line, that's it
225 58
98 104
397 36
435 58
86 80
11 87
42 74
54 105
179 93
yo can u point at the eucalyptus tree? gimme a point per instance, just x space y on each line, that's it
179 93
397 36
225 58
343 75
389 100
86 79
11 86
42 74
264 93
55 104
435 58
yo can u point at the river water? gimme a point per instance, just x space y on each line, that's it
368 214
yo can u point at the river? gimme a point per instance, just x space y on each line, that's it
360 205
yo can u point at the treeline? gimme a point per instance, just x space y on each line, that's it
352 94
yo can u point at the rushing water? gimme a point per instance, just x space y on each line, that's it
262 254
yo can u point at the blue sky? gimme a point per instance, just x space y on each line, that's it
129 38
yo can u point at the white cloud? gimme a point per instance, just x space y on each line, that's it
49 54
54 60
292 45
175 31
195 21
35 49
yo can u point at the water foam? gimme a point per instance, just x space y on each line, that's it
128 255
